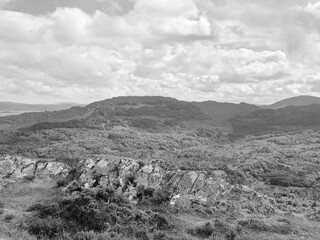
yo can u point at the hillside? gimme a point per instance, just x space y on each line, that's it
253 188
221 112
272 120
144 112
294 101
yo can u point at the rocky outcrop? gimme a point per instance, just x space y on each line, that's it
15 168
186 188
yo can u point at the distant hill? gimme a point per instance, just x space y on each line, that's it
156 112
270 120
21 107
140 112
221 112
294 101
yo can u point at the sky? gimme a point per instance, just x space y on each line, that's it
255 51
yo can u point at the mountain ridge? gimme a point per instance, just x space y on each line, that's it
301 100
151 112
138 109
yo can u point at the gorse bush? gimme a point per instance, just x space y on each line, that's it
1 207
203 231
152 196
1 204
98 210
45 227
8 217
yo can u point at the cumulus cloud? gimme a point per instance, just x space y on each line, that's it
228 50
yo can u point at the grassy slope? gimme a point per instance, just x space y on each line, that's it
255 156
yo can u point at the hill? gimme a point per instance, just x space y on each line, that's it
141 112
224 111
294 101
271 120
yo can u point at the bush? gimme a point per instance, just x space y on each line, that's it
148 192
159 235
261 226
62 182
160 196
160 222
29 178
45 228
95 210
203 231
141 235
8 217
1 204
1 207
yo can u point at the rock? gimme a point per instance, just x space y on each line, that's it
186 183
16 168
104 181
29 170
105 166
54 169
89 163
186 201
143 175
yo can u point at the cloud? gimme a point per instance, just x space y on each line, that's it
301 31
228 50
4 2
201 59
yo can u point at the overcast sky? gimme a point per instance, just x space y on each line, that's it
257 51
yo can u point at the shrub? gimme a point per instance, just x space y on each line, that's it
203 231
261 226
160 196
1 207
62 182
29 178
95 210
8 217
148 192
47 227
160 222
159 235
141 235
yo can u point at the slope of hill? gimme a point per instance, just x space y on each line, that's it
294 101
224 111
270 120
144 112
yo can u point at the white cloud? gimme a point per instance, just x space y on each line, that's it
190 49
